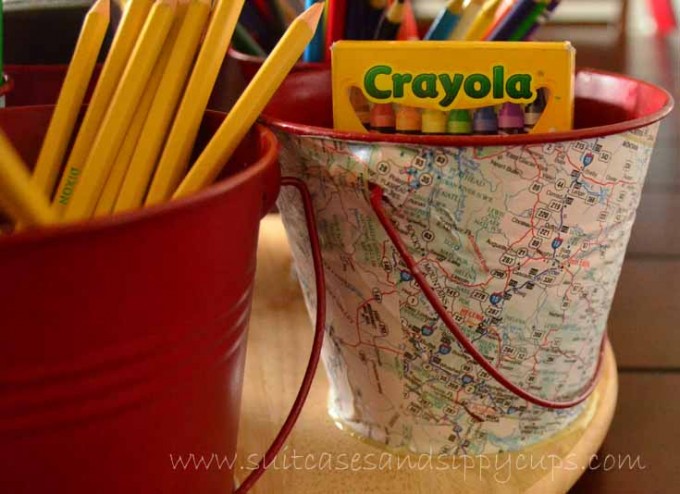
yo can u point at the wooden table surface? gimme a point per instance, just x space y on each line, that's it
640 453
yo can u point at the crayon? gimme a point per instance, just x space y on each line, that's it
446 21
485 121
383 119
361 107
433 122
459 123
315 49
543 18
505 28
389 23
528 23
510 119
483 20
374 12
408 120
470 13
534 110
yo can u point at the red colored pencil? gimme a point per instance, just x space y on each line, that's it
335 29
409 26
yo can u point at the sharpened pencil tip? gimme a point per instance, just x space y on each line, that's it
312 15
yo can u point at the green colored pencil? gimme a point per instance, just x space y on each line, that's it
245 43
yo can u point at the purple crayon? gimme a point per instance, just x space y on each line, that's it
485 121
510 119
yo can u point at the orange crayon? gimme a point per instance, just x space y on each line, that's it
383 119
408 120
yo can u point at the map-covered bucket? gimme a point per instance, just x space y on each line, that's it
468 279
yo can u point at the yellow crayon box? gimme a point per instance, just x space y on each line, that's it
446 75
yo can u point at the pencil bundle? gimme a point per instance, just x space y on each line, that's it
262 21
134 143
459 20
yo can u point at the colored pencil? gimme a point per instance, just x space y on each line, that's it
390 22
335 29
121 111
408 30
502 11
505 28
123 43
19 197
163 108
279 23
253 100
472 9
316 48
483 20
175 157
244 42
542 19
528 23
446 21
71 96
375 11
357 10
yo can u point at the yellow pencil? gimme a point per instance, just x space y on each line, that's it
177 151
121 163
252 102
119 115
71 97
472 8
162 110
21 198
124 41
483 20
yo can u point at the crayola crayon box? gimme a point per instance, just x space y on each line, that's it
453 87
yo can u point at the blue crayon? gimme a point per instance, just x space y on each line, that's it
509 24
315 49
446 21
485 121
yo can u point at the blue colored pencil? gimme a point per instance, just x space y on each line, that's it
446 21
315 49
374 12
509 24
357 11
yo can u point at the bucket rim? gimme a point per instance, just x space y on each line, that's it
484 140
256 168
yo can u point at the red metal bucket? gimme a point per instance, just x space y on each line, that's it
124 338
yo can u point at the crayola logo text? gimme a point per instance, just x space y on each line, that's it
381 83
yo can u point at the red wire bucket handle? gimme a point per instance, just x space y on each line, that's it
306 384
376 200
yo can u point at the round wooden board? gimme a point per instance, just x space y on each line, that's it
320 458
